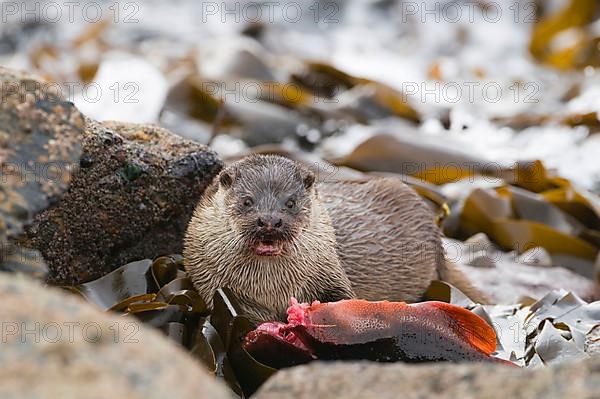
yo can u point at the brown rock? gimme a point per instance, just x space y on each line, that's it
55 345
104 194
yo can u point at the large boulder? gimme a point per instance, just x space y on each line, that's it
468 381
54 345
39 150
130 189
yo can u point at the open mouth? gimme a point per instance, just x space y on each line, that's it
268 248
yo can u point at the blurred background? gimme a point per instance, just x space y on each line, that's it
488 108
491 81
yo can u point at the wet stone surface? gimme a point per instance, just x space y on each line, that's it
131 199
90 196
39 152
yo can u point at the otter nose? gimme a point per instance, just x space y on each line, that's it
269 222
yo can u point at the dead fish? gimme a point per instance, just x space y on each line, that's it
379 331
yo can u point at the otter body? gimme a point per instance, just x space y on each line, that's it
388 243
261 230
266 231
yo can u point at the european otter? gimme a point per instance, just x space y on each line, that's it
268 232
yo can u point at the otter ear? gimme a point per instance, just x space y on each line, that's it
226 178
308 179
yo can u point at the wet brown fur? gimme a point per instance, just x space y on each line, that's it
217 256
373 239
388 243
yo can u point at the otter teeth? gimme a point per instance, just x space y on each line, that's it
267 248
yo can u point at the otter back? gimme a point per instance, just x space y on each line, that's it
388 243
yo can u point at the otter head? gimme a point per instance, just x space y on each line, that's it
269 201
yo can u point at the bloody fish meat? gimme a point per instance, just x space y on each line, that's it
380 331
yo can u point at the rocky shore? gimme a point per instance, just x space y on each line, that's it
79 198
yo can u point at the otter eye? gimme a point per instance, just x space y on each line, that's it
248 202
290 204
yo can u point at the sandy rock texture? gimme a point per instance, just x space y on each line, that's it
55 345
434 381
40 147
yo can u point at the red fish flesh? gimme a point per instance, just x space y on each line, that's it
380 331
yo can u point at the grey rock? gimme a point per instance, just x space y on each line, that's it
54 345
39 152
238 58
434 381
